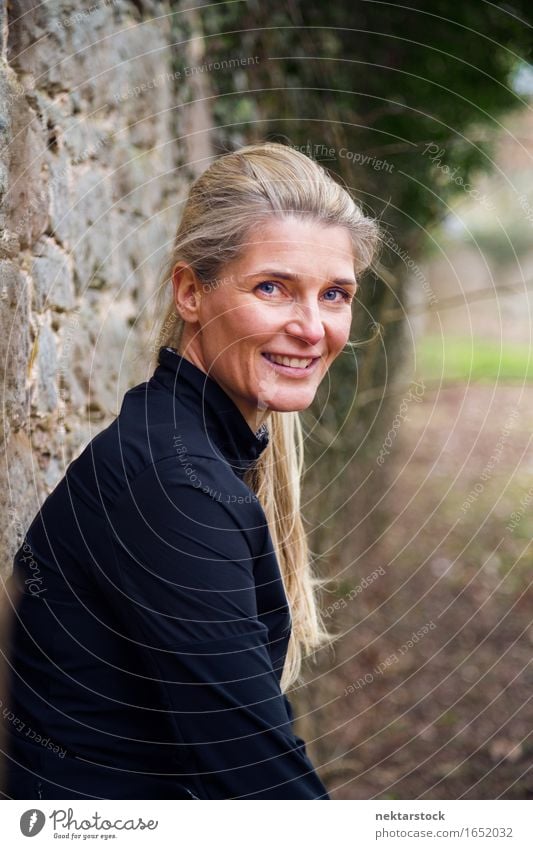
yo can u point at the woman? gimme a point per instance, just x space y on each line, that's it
167 599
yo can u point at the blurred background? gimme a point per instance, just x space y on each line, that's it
418 491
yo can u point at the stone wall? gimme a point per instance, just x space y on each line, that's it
92 172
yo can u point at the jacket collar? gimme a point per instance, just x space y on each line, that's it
218 415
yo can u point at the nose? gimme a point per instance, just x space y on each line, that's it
306 323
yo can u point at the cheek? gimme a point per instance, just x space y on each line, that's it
239 321
219 321
257 318
339 332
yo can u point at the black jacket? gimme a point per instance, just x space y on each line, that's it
153 625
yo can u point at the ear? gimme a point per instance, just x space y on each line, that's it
187 291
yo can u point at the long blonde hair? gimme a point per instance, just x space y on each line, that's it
239 191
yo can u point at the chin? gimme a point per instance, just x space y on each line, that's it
289 406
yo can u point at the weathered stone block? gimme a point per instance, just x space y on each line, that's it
26 200
44 391
52 277
92 229
14 344
59 198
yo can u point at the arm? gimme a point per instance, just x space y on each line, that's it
185 569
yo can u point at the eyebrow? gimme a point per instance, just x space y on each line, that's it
287 275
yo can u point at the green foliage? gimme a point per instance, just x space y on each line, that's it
466 360
378 79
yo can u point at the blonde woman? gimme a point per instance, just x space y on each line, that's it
175 601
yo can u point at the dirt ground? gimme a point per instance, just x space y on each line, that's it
429 694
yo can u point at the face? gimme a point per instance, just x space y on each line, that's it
268 329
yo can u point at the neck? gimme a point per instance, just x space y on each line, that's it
254 416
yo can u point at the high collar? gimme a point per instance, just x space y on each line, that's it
218 415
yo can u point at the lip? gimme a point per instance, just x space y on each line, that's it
291 371
299 356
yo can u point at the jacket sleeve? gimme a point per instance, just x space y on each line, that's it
187 594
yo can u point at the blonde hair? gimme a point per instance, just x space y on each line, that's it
238 192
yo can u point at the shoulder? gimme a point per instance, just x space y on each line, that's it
210 506
156 452
151 430
205 481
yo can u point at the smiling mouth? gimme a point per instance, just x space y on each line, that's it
292 362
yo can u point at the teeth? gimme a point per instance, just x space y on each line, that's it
294 362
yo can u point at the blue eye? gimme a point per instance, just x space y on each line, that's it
269 287
267 283
345 295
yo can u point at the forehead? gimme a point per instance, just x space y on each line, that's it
302 245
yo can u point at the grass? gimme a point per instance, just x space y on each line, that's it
456 359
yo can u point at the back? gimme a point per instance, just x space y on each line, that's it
153 624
